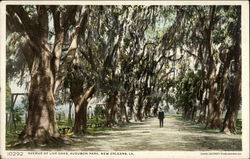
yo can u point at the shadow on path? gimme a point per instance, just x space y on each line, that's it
176 135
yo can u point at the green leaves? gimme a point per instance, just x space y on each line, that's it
61 9
148 49
187 86
8 97
30 9
16 65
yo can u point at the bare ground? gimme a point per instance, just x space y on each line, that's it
176 135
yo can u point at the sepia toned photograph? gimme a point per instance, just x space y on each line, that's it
114 80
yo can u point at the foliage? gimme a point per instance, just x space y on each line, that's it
99 112
12 135
187 89
141 56
8 97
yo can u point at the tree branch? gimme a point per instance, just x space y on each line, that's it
28 24
12 22
71 53
56 18
69 16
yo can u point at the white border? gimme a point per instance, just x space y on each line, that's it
2 78
141 154
245 77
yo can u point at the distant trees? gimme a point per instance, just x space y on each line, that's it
215 47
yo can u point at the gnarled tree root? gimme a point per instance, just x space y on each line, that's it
45 141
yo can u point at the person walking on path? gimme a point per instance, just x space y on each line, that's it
161 117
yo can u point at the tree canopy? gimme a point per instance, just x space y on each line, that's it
139 57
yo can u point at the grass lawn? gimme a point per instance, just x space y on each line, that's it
12 133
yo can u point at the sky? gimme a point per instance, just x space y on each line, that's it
17 89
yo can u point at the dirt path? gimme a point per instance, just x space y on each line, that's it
177 135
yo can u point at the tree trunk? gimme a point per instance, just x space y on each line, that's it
214 111
59 117
131 105
138 113
142 113
202 115
194 113
214 116
133 114
111 114
41 126
12 119
187 113
26 117
80 125
148 107
81 103
124 115
133 110
229 124
224 83
69 115
140 108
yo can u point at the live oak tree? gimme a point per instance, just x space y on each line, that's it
215 34
229 123
111 60
50 49
82 87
